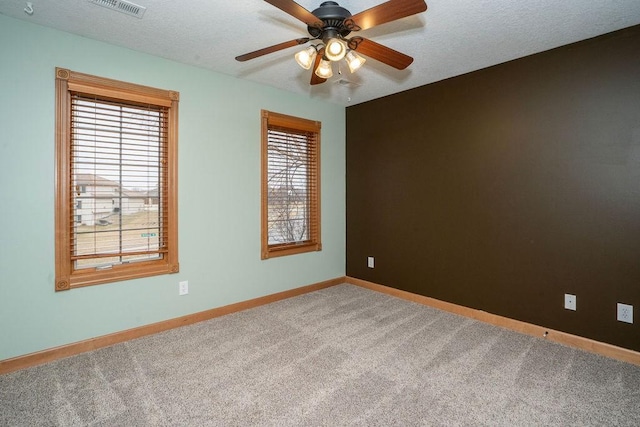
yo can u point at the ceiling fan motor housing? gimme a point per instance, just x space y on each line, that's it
333 16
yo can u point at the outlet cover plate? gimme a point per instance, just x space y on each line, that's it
570 302
370 262
625 313
183 288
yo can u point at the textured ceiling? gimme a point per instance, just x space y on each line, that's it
452 37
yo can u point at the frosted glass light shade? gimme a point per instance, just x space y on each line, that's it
324 69
306 57
354 61
335 50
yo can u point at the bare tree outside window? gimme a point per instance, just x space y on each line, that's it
287 183
290 185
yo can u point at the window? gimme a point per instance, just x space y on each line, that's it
116 146
290 185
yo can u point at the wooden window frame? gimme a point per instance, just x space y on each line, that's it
296 125
68 81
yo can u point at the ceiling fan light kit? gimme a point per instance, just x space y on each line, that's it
324 69
331 24
336 49
354 61
306 57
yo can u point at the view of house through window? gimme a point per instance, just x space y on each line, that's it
116 186
291 214
117 166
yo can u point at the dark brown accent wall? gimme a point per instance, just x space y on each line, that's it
506 188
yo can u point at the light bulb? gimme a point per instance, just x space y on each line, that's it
324 69
305 57
335 50
354 61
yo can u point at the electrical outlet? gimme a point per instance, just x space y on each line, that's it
370 262
570 302
183 287
625 313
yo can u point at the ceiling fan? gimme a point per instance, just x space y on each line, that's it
330 24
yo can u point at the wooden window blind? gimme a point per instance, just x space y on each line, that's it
118 152
290 185
116 207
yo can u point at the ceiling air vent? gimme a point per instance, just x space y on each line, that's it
123 6
347 83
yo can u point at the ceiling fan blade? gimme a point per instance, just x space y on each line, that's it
381 53
271 49
297 11
315 80
385 12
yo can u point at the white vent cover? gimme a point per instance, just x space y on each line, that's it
347 83
123 6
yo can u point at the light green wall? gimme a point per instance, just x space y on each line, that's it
219 193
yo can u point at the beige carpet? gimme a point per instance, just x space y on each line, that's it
339 356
